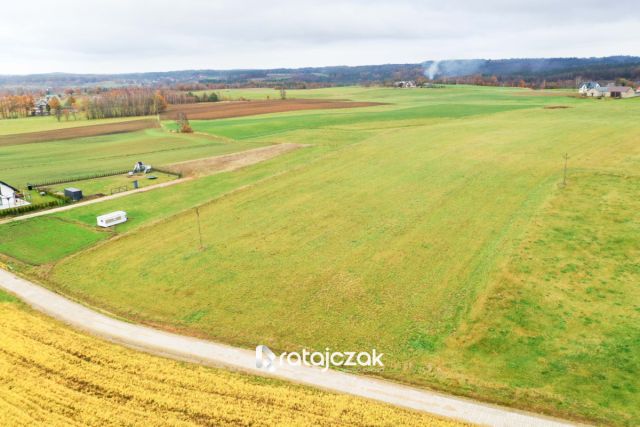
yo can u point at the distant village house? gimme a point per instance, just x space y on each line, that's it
41 106
593 89
405 84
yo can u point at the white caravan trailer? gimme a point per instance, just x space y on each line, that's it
113 218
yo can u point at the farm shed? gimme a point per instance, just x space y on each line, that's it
10 197
113 218
73 193
621 92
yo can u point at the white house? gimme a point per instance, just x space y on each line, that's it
9 197
593 89
589 88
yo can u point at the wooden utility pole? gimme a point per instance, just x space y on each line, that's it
566 159
199 229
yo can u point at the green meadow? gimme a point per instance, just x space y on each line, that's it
115 183
435 229
39 124
82 157
45 239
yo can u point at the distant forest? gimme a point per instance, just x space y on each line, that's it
549 72
536 72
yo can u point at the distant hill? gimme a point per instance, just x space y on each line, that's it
337 75
533 71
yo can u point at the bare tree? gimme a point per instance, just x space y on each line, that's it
183 123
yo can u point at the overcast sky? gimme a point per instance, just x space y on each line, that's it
105 36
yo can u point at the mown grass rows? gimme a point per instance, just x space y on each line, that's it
58 160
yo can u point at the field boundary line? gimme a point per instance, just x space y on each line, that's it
208 353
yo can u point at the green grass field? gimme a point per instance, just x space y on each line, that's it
38 124
236 94
71 158
114 184
45 239
434 229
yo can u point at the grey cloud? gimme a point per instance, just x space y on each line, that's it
136 35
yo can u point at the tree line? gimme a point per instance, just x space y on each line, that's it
125 103
15 106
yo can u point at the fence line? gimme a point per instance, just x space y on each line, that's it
93 176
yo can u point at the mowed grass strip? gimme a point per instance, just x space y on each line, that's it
560 322
58 377
270 125
45 239
79 157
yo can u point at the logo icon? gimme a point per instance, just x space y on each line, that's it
265 358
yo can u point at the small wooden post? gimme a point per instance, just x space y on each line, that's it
199 229
566 159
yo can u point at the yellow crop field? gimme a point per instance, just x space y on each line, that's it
52 375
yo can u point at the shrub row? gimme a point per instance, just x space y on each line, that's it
28 208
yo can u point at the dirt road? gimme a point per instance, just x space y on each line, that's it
212 354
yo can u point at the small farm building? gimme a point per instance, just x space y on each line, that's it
621 91
113 218
72 193
10 197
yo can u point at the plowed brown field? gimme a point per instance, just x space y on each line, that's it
223 110
78 132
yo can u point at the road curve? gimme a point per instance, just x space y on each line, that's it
191 349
